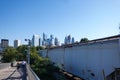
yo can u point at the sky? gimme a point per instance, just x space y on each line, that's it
20 19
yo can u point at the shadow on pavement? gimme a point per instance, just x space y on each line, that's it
20 71
12 78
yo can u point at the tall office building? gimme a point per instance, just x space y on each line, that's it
68 39
51 40
65 40
44 36
47 41
4 43
17 43
43 43
56 42
40 42
36 40
73 40
51 37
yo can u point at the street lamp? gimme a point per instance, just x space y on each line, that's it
28 54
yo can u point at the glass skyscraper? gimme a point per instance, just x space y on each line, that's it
36 40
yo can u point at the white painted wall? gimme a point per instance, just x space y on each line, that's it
82 60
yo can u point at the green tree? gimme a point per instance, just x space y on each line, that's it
39 48
42 66
33 50
22 52
84 40
9 54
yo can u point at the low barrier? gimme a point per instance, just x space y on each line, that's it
31 74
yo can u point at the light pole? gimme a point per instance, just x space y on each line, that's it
28 54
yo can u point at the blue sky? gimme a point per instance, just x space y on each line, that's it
20 19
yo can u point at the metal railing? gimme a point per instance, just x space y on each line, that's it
31 74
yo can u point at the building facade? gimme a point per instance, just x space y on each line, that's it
17 43
36 40
73 40
48 42
4 43
56 42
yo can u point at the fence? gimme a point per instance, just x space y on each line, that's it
31 74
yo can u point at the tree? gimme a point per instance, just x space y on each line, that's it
9 54
22 52
39 48
42 66
84 40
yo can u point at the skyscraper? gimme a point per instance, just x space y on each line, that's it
65 40
68 39
36 40
40 42
51 37
4 43
44 36
17 43
51 40
73 40
44 41
57 43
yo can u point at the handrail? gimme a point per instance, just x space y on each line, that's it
31 74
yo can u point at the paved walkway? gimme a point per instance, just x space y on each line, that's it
12 73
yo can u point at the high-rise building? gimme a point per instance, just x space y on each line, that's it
65 40
44 36
17 43
68 39
36 40
51 36
40 42
51 40
4 43
43 43
56 42
73 40
47 41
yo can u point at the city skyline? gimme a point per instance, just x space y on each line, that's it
44 40
93 19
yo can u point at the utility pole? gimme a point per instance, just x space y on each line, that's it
28 54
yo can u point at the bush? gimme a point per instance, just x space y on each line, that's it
43 67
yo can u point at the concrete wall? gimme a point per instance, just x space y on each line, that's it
88 60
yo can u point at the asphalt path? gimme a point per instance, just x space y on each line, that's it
4 65
14 73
